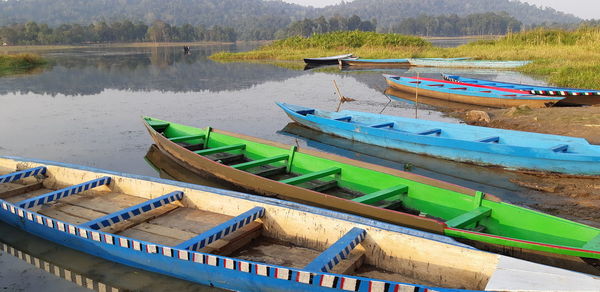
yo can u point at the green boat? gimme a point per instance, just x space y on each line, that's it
373 191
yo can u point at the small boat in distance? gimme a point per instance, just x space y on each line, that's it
469 94
374 62
331 60
386 63
342 184
423 62
572 95
246 243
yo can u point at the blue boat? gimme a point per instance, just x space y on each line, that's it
574 95
237 241
459 142
423 62
469 94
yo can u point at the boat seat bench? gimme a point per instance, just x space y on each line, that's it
260 162
493 139
186 138
133 211
221 149
469 218
560 148
383 125
68 191
381 195
311 176
22 174
342 119
337 251
223 229
431 131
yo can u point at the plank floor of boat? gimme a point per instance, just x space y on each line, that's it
168 225
271 251
369 271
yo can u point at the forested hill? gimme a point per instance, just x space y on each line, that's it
390 12
270 14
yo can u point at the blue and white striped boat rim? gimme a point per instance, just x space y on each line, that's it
533 89
350 283
470 90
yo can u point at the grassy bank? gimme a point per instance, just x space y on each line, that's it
15 64
564 58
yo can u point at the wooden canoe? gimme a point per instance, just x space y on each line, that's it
386 63
246 243
331 60
359 188
424 62
572 95
459 142
461 93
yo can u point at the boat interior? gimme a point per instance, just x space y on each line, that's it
237 227
395 190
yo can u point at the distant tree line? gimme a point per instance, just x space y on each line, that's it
308 27
32 33
454 25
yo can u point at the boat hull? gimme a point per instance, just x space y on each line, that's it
476 100
508 160
467 64
268 187
377 64
333 60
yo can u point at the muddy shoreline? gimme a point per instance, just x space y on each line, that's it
567 196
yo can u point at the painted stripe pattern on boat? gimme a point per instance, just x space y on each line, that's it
52 196
311 278
133 211
58 271
22 174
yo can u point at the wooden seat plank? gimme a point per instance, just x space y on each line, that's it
186 138
469 218
221 149
222 230
338 251
560 148
136 210
593 244
311 176
260 162
381 195
15 176
493 139
383 125
430 131
345 118
68 191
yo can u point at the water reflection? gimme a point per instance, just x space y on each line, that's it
81 72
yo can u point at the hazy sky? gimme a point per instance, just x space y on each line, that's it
583 8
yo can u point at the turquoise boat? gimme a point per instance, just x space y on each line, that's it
480 145
387 62
421 62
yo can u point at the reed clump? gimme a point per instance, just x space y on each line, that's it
365 44
564 57
19 63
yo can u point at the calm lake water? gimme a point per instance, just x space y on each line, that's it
86 109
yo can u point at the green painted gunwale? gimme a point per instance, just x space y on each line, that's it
507 224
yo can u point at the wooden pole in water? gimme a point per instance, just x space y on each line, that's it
339 94
417 96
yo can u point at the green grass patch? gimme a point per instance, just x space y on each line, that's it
20 63
563 58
